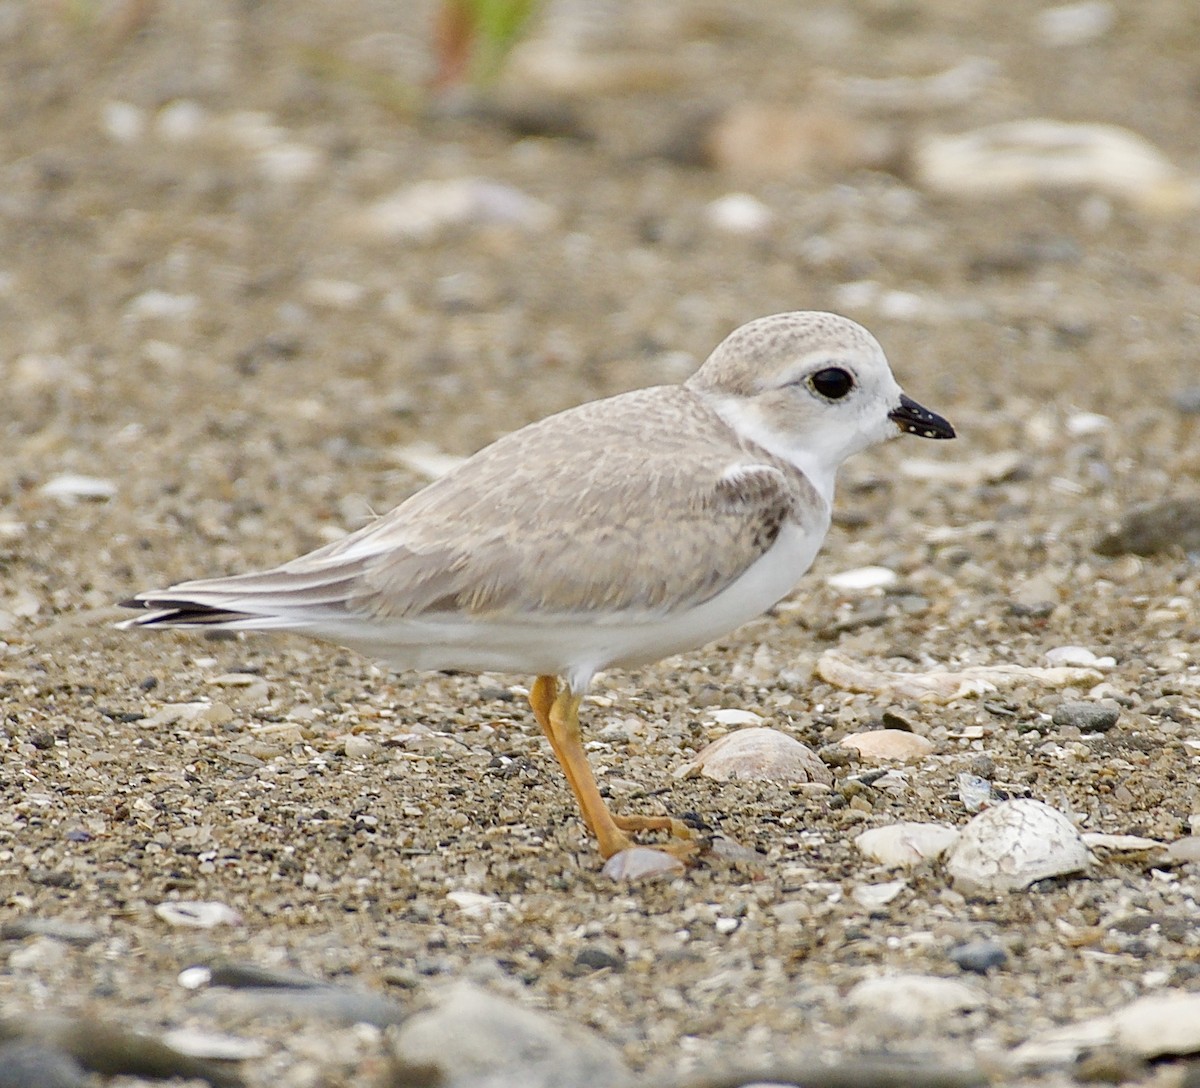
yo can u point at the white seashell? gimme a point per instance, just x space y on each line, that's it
861 579
70 486
906 843
757 755
196 1043
1077 656
1159 1024
1008 847
197 914
873 896
641 861
914 1000
733 716
1022 156
475 905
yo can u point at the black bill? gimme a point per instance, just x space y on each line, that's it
914 419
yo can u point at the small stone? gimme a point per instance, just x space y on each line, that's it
1086 717
596 958
473 1038
740 214
757 755
357 746
887 745
1077 656
979 956
1155 528
29 1064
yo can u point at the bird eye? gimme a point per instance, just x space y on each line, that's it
833 382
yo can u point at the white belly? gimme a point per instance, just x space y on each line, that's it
577 647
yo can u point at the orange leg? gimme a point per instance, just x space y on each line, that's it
557 713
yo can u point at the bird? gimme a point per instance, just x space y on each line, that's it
609 535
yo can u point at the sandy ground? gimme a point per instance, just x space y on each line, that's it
198 310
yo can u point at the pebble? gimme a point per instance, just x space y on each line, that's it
1011 845
197 914
475 1039
979 956
1077 656
907 843
887 745
322 1003
757 755
59 929
1154 529
595 958
1087 717
357 746
1017 157
739 214
35 1065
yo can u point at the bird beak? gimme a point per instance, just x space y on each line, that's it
913 419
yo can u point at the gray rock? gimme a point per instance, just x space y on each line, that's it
979 956
34 1065
477 1040
1166 526
1086 717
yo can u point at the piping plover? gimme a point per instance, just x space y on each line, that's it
610 535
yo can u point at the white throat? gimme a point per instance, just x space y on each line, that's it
821 471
